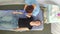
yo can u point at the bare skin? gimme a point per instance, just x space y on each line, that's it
17 12
22 29
35 23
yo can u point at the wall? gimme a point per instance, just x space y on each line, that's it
6 2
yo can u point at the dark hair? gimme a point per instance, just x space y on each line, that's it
29 9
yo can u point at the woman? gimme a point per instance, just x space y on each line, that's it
27 21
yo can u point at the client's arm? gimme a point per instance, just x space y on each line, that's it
35 23
17 12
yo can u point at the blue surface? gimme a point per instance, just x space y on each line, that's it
7 19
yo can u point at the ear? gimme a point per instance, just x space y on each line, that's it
25 6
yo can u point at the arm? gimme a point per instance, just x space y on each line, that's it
35 22
39 18
25 6
17 12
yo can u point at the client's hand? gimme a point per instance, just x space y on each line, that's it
35 23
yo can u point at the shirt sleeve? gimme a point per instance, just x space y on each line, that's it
39 16
36 11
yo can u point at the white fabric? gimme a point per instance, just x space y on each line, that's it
55 28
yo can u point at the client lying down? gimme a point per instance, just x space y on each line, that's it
26 21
